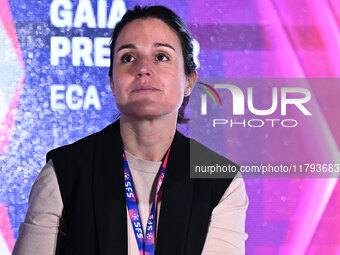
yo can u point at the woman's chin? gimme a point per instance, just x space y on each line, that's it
147 109
147 114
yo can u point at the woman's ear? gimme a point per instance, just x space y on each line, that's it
191 81
112 86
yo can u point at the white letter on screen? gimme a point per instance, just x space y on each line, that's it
297 101
60 47
238 97
92 98
84 14
101 13
102 51
77 91
117 11
55 96
61 13
196 52
262 112
81 49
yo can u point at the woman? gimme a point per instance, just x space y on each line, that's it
105 193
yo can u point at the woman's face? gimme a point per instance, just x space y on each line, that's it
148 78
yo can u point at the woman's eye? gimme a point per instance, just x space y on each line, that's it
162 57
127 58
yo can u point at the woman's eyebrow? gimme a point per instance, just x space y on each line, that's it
127 46
164 45
132 46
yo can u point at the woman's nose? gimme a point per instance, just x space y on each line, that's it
144 68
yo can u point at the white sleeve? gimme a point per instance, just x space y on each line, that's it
38 234
226 232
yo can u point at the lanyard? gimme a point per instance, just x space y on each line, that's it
146 243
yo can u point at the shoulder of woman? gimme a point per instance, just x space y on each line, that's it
83 146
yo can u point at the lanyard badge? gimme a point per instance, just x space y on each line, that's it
146 243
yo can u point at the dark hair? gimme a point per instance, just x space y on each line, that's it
172 20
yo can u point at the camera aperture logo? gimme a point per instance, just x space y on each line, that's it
243 104
204 97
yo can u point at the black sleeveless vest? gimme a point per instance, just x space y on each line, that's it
91 180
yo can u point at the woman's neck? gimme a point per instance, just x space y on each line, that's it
148 139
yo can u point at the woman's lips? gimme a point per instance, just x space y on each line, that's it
145 89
